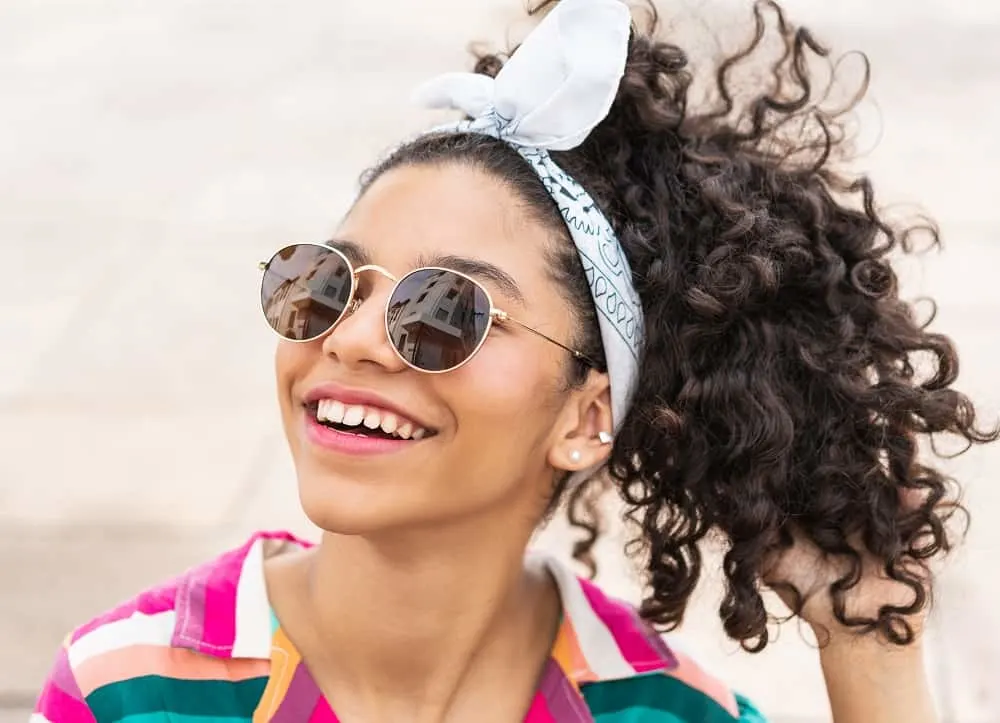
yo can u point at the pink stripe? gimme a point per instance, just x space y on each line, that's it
655 640
61 700
218 601
538 713
628 634
189 631
323 713
58 707
300 699
562 700
206 602
62 676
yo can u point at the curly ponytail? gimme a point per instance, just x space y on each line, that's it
779 390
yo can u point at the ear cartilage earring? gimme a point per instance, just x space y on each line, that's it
605 437
574 456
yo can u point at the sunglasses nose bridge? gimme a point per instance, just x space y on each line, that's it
357 273
380 270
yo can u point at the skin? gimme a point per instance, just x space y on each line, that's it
423 550
867 681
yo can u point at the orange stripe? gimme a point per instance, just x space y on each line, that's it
567 653
181 663
284 660
693 675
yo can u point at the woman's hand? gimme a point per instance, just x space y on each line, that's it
868 680
811 572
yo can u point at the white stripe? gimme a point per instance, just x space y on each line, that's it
38 718
137 629
253 611
596 642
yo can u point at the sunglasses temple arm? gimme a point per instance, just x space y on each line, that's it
524 326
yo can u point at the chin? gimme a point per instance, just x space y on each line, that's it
340 507
344 505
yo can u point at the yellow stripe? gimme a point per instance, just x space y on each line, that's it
568 654
284 660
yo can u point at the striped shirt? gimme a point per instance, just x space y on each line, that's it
207 648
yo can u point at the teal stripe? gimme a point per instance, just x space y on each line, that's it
638 714
748 711
653 698
164 717
158 694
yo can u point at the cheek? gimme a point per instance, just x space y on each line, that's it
507 386
291 361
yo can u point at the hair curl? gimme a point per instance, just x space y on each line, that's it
780 388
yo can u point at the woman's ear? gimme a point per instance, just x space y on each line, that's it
581 436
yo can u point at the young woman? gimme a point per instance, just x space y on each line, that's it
590 281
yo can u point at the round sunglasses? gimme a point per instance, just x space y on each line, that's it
436 319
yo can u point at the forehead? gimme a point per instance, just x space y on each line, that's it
421 211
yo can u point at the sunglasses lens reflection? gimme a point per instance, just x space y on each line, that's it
305 290
437 319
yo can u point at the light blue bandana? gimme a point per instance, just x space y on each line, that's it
557 86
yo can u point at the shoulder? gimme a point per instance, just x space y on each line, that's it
158 644
624 670
684 692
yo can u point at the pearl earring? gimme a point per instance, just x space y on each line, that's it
574 456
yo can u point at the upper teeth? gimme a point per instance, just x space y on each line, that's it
353 415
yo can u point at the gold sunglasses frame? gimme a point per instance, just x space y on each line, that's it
353 303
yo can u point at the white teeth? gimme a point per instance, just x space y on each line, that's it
389 422
330 410
353 416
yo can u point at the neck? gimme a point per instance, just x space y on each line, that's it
420 615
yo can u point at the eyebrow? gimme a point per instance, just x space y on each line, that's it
355 253
477 268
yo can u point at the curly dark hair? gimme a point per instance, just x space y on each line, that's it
780 388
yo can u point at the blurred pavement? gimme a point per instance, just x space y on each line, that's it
150 154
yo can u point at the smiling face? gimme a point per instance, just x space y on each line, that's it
497 428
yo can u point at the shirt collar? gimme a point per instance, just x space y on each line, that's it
223 611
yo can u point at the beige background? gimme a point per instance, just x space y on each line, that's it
150 153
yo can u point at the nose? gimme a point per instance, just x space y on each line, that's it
360 340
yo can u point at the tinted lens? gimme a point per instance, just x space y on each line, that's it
437 318
305 289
